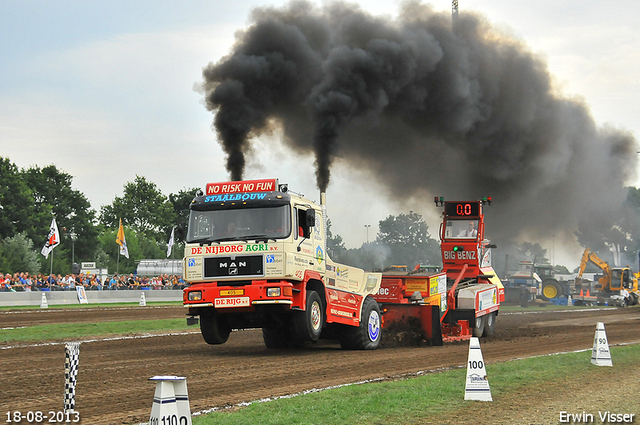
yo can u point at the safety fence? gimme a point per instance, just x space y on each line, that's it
93 297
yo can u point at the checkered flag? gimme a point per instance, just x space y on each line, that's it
71 360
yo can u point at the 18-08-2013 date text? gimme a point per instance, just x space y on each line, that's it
37 417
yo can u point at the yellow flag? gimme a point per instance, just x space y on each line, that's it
121 241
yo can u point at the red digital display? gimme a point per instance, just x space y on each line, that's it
462 209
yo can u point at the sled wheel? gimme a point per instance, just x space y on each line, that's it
478 328
489 324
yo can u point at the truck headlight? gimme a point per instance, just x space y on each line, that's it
195 296
273 292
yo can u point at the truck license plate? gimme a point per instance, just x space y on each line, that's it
232 302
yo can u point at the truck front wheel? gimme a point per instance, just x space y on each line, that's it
307 325
367 335
276 337
214 328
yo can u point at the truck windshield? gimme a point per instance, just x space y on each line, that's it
463 229
239 224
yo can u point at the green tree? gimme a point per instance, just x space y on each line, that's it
143 207
16 201
53 196
31 198
18 255
139 247
408 240
180 202
370 256
533 251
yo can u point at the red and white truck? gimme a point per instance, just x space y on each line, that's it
256 257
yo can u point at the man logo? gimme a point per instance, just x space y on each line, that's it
192 262
271 259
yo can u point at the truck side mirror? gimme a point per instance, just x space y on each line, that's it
311 217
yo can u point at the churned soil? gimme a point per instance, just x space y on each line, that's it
113 384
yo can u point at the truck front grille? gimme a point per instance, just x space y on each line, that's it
239 266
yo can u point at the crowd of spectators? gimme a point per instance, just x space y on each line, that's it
24 282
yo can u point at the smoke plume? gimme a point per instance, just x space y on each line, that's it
423 109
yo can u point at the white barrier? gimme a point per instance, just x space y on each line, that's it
600 354
170 402
34 298
477 387
43 301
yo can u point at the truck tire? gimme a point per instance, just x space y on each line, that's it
277 337
214 328
550 289
367 335
307 325
489 324
478 328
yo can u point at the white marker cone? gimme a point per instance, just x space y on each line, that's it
600 354
182 401
143 301
164 408
43 302
477 387
569 301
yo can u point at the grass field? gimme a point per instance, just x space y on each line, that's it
439 398
80 330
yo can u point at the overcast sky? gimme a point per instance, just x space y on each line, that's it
105 91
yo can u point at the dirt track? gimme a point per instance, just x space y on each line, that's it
113 386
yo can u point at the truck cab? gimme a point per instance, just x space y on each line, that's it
255 257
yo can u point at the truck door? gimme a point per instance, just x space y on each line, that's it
304 235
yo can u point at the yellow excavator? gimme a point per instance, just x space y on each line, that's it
612 282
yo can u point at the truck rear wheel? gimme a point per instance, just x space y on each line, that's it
214 328
489 324
367 335
307 325
478 328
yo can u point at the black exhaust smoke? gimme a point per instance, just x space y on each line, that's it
425 110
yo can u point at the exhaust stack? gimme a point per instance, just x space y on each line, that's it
323 206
